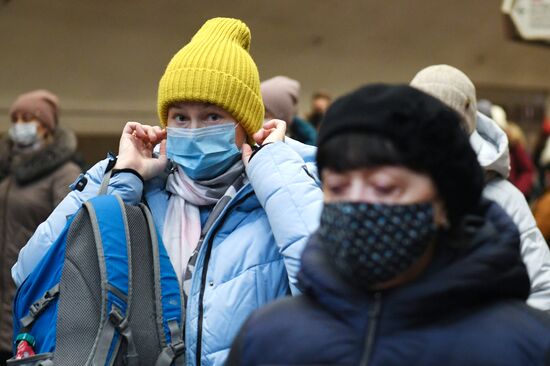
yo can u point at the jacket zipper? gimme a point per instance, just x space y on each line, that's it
215 229
2 260
371 332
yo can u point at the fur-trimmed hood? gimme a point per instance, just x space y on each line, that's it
27 167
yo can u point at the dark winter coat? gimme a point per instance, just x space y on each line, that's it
467 308
302 131
31 185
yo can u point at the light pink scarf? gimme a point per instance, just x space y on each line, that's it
182 226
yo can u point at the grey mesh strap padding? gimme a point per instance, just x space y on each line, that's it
81 295
39 306
156 275
174 351
143 318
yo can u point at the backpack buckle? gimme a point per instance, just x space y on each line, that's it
178 348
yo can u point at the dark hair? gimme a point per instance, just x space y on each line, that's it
355 151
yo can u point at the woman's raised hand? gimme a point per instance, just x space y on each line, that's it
272 131
135 150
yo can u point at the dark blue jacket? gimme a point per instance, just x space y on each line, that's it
467 308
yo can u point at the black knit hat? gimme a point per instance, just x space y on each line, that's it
427 134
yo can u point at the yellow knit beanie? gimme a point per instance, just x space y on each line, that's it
216 67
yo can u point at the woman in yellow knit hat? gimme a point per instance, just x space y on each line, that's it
233 219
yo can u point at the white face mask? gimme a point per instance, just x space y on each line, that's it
24 134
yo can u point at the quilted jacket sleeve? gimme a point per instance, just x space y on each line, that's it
289 192
534 250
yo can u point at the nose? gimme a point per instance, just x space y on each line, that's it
19 119
196 123
357 190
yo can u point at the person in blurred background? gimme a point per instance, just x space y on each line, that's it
540 144
409 265
489 142
209 192
35 173
541 207
522 169
281 95
320 101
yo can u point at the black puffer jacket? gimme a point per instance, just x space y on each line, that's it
467 308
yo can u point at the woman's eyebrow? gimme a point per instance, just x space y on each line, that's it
212 107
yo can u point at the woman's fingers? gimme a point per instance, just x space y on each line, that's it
162 151
151 134
147 134
261 135
271 124
277 131
272 131
130 127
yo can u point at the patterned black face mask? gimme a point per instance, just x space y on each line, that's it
373 243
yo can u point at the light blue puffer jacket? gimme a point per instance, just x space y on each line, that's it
249 257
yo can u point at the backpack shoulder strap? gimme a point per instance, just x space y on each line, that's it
108 217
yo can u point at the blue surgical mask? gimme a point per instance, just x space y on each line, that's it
203 153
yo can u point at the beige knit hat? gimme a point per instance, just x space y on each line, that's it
451 86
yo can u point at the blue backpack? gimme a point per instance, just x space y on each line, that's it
104 294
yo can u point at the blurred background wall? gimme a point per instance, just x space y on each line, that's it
104 58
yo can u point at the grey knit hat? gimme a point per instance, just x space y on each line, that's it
451 86
280 96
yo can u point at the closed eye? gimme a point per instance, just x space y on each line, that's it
385 190
337 189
